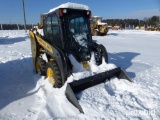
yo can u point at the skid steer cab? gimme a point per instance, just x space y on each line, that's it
66 31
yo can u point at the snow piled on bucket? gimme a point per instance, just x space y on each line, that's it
79 72
72 6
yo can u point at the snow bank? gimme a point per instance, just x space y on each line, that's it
24 95
72 6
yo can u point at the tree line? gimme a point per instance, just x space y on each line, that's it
111 22
136 22
14 26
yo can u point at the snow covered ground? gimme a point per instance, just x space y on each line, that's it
25 95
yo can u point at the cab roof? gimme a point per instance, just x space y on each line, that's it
71 6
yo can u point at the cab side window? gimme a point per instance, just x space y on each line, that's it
48 28
55 26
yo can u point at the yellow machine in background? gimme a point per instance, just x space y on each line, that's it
139 28
40 25
151 28
154 27
97 26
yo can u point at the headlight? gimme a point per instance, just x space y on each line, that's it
64 11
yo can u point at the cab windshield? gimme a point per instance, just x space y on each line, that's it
79 30
78 26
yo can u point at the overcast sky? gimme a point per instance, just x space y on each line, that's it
11 10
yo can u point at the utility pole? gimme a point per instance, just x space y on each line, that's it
24 16
1 27
17 26
159 16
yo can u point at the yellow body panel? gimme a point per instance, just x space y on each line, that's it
44 44
31 34
33 48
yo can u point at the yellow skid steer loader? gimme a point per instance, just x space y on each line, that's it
66 31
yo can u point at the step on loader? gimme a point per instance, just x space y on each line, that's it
65 31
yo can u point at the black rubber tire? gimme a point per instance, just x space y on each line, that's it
57 74
42 64
104 52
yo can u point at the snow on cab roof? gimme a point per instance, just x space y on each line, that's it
71 5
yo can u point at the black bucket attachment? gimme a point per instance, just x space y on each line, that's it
77 86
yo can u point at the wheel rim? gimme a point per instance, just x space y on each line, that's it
50 75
